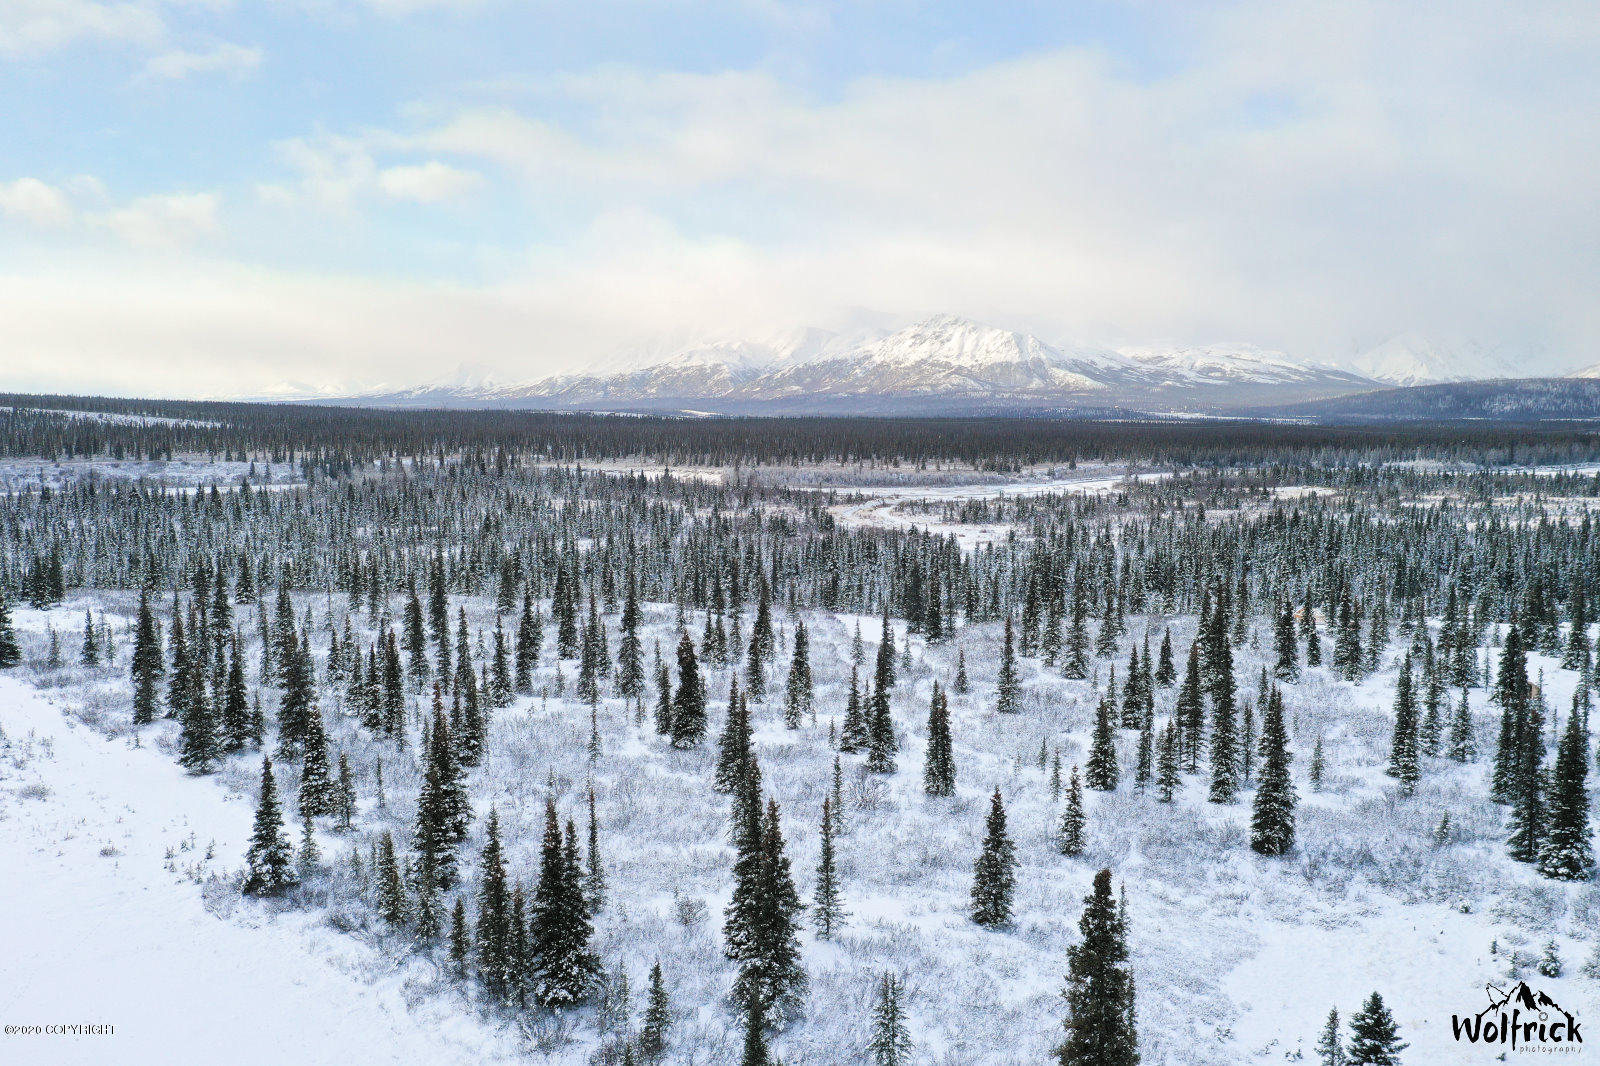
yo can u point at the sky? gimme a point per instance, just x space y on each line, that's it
252 197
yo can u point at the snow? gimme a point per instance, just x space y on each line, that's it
101 927
183 473
1414 359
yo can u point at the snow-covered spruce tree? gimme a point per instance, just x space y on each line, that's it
495 936
827 909
1462 746
762 928
1190 710
1404 764
689 701
530 641
1288 664
393 907
1330 1044
891 1040
853 735
594 872
460 940
198 744
797 698
755 1051
994 874
318 794
1100 1022
1101 773
1008 689
1272 818
564 969
147 665
1169 778
269 863
657 1017
437 807
961 685
1070 834
1528 814
733 749
1374 1036
238 728
881 742
630 654
1567 854
939 767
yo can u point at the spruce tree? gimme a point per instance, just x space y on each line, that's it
437 811
881 742
961 686
827 910
564 969
657 1017
198 744
1330 1045
853 736
392 904
733 750
1166 671
1008 696
238 729
1288 665
1190 710
1100 1020
797 702
994 874
1169 778
891 1041
689 701
1462 745
939 769
269 864
1403 761
1374 1036
1101 773
460 940
495 935
1070 836
318 795
1566 853
147 666
1272 819
768 949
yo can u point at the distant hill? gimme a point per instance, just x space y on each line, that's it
1501 400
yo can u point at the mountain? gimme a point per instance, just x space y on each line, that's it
1412 359
944 364
1505 400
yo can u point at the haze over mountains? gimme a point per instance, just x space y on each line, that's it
947 364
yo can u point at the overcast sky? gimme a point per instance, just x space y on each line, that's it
206 197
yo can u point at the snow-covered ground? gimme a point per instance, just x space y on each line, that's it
24 475
113 912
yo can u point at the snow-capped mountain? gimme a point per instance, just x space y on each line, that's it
1412 359
944 362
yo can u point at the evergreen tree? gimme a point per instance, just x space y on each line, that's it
238 728
1566 853
733 750
994 875
891 1041
853 737
318 795
147 666
1403 763
1166 672
1100 1020
269 864
1101 773
1008 696
770 974
1374 1036
1272 819
564 970
438 804
939 768
755 1033
460 940
689 702
594 875
495 934
657 1017
1288 666
1169 778
1330 1045
961 685
392 904
827 910
797 694
881 742
1070 837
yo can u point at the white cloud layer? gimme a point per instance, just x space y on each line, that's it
1312 176
225 58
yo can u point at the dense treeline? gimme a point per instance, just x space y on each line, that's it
335 438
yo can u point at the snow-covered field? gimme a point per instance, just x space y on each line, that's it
25 475
1238 957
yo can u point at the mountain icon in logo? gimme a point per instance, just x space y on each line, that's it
1523 996
1521 1017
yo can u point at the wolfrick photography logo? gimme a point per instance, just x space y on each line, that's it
1519 1020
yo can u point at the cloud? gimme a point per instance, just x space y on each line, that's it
162 221
32 200
428 183
36 26
230 59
